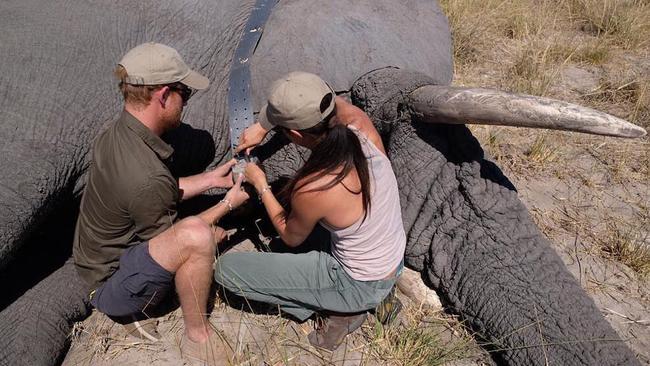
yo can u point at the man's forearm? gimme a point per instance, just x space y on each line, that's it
195 185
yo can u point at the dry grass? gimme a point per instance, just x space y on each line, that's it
469 37
623 238
418 337
531 41
631 91
422 338
626 23
527 46
630 246
541 151
480 25
533 69
592 52
625 162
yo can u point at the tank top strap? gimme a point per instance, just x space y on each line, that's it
368 146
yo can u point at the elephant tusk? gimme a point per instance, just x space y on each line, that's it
457 105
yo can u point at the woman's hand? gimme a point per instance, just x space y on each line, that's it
222 175
237 195
255 176
251 137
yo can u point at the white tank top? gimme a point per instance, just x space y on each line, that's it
371 249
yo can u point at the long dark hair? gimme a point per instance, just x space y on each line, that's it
337 147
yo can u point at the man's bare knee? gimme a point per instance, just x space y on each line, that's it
196 235
190 235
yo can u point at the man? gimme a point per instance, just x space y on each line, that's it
347 186
127 245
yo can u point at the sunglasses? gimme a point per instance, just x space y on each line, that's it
184 91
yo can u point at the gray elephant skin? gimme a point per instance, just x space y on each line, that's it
468 233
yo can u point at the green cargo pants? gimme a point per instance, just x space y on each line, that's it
300 284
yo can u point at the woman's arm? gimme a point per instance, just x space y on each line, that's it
234 198
251 137
294 228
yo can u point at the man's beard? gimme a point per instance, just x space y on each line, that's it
174 119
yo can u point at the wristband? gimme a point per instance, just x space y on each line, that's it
264 190
227 202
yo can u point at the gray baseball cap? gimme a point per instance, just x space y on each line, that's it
295 101
156 64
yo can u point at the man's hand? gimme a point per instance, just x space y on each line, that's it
237 195
221 176
251 137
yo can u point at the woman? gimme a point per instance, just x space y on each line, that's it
348 186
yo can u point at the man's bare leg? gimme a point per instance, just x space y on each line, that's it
188 249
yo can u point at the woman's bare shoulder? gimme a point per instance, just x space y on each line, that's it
314 183
349 114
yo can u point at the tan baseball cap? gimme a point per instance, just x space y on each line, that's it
295 101
156 64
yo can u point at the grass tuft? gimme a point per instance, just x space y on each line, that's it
520 20
420 340
633 94
628 246
625 22
594 53
541 152
468 37
591 52
535 68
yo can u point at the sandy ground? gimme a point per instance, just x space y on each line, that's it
622 297
270 339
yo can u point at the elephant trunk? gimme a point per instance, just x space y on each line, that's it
35 329
475 242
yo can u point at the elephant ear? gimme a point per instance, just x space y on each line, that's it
342 40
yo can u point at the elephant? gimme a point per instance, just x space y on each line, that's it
468 233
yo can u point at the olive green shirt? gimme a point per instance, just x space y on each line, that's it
130 197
